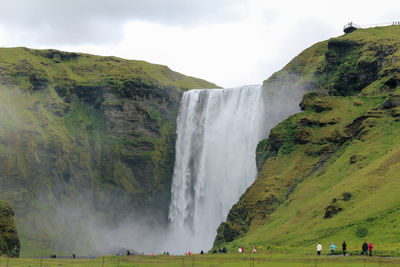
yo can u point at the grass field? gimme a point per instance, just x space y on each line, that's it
234 260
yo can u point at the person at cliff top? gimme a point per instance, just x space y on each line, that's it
333 248
319 249
370 248
344 246
254 249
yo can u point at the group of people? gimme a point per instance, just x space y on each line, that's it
241 249
54 256
224 250
365 248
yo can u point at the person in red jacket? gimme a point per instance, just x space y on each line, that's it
370 248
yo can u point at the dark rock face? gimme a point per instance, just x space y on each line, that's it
392 102
9 242
356 158
38 80
315 101
269 147
332 210
276 139
335 206
393 81
56 55
90 94
347 70
396 112
302 135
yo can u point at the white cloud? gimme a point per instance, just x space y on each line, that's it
229 42
2 37
100 21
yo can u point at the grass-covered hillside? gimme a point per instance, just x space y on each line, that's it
331 172
84 131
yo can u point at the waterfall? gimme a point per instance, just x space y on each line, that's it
218 131
217 135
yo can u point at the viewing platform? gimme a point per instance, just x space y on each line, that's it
350 27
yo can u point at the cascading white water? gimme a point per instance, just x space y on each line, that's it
217 135
218 131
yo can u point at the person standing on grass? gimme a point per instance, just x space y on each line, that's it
319 249
344 246
333 248
365 248
370 248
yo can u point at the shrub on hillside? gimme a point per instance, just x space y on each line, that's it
9 242
361 231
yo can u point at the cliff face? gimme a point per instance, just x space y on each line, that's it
82 130
329 173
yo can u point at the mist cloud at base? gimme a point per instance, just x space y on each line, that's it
84 232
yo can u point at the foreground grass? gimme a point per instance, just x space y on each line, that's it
234 260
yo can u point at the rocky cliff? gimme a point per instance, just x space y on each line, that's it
330 172
79 130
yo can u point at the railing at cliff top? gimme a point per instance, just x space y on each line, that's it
351 24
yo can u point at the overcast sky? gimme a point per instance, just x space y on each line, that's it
228 42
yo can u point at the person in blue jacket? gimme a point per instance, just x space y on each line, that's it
333 248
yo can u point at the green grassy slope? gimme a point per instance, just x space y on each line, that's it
331 172
88 132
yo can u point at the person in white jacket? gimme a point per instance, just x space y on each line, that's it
319 249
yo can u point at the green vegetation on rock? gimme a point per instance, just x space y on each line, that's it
85 132
9 242
330 173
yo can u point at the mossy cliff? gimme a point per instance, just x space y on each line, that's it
330 173
9 242
86 131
